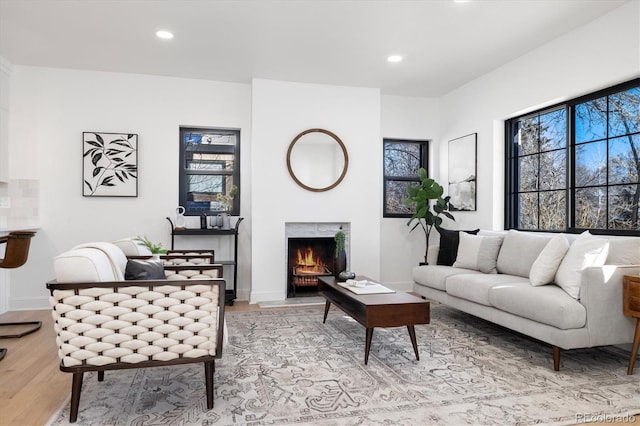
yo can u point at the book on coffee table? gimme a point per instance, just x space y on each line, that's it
365 287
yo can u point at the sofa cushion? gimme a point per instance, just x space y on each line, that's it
478 252
475 287
548 304
545 266
449 241
585 251
624 251
435 276
518 252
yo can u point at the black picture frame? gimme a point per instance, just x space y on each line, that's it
462 173
109 164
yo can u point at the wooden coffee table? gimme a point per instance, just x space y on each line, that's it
376 310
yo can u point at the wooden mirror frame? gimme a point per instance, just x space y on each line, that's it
344 153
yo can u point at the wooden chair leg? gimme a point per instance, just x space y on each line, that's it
209 368
556 358
101 376
76 388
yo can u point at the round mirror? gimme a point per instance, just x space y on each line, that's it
317 160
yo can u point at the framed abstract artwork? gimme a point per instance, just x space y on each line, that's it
462 172
109 164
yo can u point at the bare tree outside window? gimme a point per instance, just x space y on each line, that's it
592 143
402 162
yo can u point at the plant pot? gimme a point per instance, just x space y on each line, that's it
340 263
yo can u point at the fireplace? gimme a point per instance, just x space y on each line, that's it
308 259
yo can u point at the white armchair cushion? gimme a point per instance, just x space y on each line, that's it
83 265
131 247
116 257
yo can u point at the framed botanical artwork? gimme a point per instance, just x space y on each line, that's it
109 164
462 172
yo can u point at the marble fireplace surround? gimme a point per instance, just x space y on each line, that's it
314 230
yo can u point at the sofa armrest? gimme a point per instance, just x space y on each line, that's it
601 294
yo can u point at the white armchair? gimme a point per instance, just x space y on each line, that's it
104 322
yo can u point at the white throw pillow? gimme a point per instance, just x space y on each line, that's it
479 253
585 251
546 264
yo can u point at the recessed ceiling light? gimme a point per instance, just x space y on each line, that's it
167 35
394 58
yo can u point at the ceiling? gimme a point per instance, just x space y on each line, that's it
445 43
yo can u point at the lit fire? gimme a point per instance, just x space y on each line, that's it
308 263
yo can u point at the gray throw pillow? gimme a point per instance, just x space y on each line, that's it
144 270
449 241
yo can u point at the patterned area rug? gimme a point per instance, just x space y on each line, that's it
285 367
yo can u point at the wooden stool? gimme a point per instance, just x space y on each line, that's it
631 307
15 255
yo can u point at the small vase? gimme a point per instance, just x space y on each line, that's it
226 221
340 263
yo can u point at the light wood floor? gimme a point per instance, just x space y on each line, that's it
32 388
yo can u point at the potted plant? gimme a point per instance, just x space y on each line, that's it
420 197
340 256
153 248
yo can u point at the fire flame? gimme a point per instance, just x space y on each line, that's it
308 263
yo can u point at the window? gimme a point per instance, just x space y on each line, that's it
402 161
209 167
575 166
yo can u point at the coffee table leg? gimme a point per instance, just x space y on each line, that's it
326 311
367 344
412 334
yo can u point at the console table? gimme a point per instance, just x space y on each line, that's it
230 294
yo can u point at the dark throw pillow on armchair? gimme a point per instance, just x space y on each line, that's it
144 270
449 241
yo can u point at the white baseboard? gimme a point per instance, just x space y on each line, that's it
28 303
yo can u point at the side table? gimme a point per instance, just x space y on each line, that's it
631 307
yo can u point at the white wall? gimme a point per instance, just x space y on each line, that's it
281 110
50 108
5 79
418 119
592 57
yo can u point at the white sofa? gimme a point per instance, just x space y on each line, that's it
587 314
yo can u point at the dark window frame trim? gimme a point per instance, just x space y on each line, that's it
424 161
510 210
183 172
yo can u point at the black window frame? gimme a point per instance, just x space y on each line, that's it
184 172
511 168
424 163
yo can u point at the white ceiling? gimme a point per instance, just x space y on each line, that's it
444 43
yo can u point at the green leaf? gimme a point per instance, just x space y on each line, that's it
100 140
449 215
93 143
97 170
